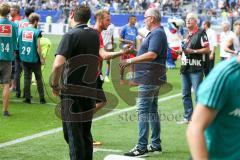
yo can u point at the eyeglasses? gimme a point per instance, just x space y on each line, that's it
147 17
13 10
190 19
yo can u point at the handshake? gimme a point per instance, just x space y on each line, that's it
129 49
124 63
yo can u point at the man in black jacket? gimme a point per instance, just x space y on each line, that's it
78 51
194 48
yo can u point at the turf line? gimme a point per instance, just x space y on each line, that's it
105 150
55 130
33 102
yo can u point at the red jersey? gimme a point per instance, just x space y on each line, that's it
100 58
101 40
16 18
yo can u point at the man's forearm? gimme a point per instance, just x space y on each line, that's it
197 144
212 53
214 50
110 55
226 49
201 118
56 74
113 55
203 51
147 57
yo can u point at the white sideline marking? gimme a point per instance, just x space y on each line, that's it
120 157
134 107
27 138
105 150
33 102
52 131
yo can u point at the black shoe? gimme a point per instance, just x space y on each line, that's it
42 101
27 101
24 96
154 150
6 114
18 95
136 152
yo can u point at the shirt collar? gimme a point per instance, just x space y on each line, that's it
195 30
80 25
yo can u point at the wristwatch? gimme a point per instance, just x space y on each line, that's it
195 51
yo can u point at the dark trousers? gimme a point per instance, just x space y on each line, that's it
211 64
208 65
77 131
30 68
17 76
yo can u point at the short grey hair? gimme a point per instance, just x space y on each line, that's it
155 13
192 15
236 23
226 23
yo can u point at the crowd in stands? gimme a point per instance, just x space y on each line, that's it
218 5
212 10
230 6
126 6
112 5
38 4
218 11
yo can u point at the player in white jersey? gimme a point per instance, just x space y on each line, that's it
233 43
212 38
225 34
108 41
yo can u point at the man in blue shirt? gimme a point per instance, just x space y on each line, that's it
213 132
150 75
128 36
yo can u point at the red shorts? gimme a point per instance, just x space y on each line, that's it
127 56
132 55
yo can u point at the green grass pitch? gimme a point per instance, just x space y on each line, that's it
118 132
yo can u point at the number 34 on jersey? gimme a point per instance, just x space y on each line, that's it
5 31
